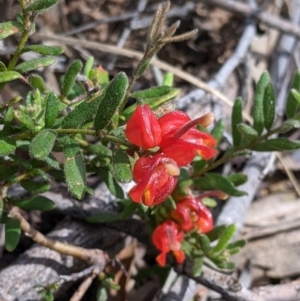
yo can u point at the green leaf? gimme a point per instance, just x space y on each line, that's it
197 266
215 233
35 186
168 79
7 76
258 107
88 66
44 49
35 203
109 180
154 97
141 69
70 77
292 105
115 93
209 202
12 234
224 239
269 106
278 144
101 294
74 168
37 82
218 130
205 243
9 28
51 161
121 166
101 151
42 144
40 5
25 120
51 109
248 132
7 146
236 118
237 244
296 95
237 179
83 112
289 125
211 181
34 64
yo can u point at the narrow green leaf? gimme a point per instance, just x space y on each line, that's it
70 77
44 49
83 112
215 233
101 150
34 64
292 105
12 234
248 132
289 125
296 95
205 243
7 146
237 244
224 239
9 28
35 203
74 168
35 186
152 92
209 202
51 161
198 164
278 144
25 120
218 130
211 181
237 179
236 118
88 66
2 67
37 82
269 106
7 76
121 166
113 186
42 144
197 266
40 5
258 106
168 79
8 169
142 68
115 92
51 110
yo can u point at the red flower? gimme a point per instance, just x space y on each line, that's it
156 177
167 237
191 213
143 129
181 141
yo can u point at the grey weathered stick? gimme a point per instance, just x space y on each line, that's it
273 21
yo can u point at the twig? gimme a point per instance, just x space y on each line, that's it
231 290
77 296
90 256
264 17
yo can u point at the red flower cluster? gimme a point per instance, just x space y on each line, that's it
190 214
177 141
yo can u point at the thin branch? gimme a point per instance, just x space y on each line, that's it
92 256
270 20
